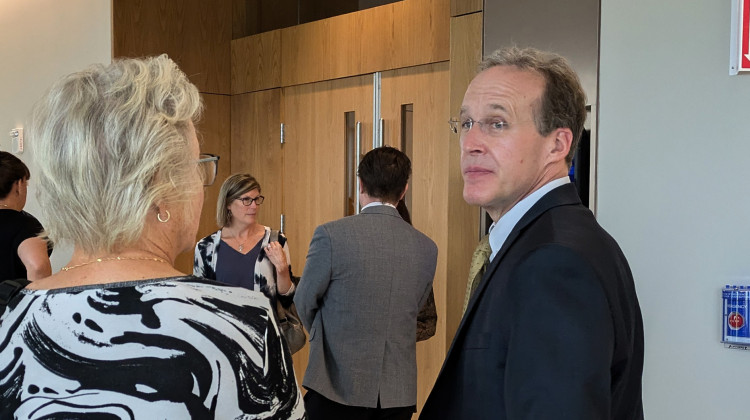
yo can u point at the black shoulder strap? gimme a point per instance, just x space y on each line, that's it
8 289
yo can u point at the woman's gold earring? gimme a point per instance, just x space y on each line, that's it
158 216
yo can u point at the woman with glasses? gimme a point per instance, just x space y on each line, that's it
119 332
243 252
23 254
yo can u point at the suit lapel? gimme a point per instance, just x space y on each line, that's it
560 196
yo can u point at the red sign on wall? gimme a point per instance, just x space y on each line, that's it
745 36
739 59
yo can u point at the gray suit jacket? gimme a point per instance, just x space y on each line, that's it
365 279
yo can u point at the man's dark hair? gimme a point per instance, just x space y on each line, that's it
384 172
11 171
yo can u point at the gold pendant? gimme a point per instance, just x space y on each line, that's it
241 245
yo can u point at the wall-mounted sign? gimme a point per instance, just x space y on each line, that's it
735 329
739 55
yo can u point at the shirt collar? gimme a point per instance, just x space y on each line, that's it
377 203
500 230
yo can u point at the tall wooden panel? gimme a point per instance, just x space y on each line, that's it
195 33
466 52
314 161
424 88
256 148
213 135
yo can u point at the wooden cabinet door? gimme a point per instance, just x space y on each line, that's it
213 136
257 150
414 107
314 161
315 154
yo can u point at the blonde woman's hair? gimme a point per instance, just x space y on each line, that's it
112 142
233 188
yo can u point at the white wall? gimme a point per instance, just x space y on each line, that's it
540 23
673 167
40 41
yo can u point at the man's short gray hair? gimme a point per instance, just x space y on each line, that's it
111 143
563 102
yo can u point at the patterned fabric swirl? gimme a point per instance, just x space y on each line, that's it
205 260
173 348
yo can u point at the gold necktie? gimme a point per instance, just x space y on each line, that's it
479 262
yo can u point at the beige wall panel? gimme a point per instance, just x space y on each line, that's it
376 39
314 153
256 62
421 33
387 37
466 52
462 7
213 135
320 50
314 156
256 147
195 33
424 87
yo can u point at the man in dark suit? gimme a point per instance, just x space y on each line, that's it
365 279
554 329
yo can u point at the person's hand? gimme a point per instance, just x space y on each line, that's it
277 256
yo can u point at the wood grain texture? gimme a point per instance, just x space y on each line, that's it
314 161
256 148
213 135
462 7
242 16
402 34
256 62
194 33
466 53
425 88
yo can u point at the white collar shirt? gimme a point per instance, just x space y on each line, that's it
378 203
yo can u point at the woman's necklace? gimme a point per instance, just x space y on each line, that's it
98 260
241 245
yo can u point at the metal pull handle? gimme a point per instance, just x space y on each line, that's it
358 152
382 129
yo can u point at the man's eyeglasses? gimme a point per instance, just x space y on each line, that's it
248 200
490 127
208 165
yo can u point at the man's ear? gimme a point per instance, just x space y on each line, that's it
562 140
401 197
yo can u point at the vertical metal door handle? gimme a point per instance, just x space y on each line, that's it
382 129
358 152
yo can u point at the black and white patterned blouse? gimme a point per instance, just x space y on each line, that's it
206 259
173 348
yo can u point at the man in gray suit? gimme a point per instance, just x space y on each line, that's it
365 279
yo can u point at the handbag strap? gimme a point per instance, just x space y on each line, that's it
8 289
274 236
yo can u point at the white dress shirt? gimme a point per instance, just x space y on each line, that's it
500 230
